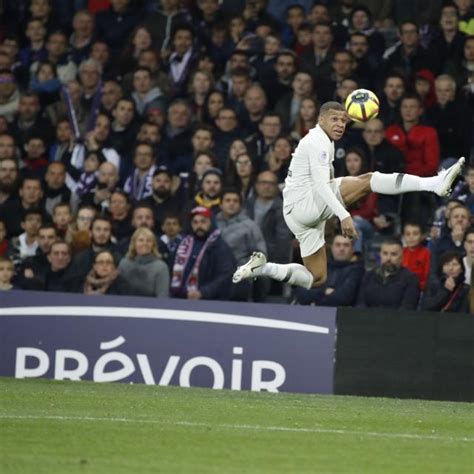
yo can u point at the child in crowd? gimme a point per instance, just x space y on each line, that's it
26 244
169 241
35 160
416 257
4 244
88 179
6 274
62 218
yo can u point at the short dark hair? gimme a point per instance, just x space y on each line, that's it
101 217
413 224
32 212
62 204
446 257
331 105
48 226
392 241
231 191
412 96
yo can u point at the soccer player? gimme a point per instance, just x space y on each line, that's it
312 195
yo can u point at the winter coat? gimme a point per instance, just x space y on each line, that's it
343 277
242 235
398 291
438 298
147 275
274 229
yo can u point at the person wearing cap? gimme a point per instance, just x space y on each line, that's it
203 263
162 199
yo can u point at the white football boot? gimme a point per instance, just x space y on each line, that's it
248 270
448 176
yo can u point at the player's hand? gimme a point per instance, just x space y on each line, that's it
348 228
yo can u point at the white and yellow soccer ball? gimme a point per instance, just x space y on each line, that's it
362 105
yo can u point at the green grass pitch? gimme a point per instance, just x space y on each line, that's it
81 427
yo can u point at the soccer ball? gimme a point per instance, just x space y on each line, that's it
362 105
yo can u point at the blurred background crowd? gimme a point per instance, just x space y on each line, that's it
144 145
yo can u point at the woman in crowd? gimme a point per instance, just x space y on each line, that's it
215 101
307 118
200 83
243 178
140 40
446 290
104 278
278 158
143 268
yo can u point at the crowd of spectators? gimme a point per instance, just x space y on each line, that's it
144 145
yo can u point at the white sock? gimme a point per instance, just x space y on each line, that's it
398 183
293 273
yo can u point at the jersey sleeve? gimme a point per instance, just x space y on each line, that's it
320 166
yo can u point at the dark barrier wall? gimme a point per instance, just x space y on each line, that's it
167 342
405 354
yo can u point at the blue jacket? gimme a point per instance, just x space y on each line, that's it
344 277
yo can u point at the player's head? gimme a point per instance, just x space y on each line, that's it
333 119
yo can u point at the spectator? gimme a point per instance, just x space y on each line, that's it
9 95
214 102
259 143
104 278
162 199
46 84
453 236
182 59
35 50
366 63
88 179
255 104
32 267
420 147
79 232
56 47
7 270
360 20
447 115
390 285
140 40
90 74
318 61
107 180
446 290
278 157
145 94
101 239
26 244
30 197
469 257
393 91
171 236
344 275
7 147
288 105
139 183
142 216
211 188
227 131
200 84
177 137
9 178
277 81
416 257
409 57
115 24
62 218
111 93
82 35
120 214
35 159
203 263
449 41
4 242
307 117
142 267
241 234
61 275
202 139
203 161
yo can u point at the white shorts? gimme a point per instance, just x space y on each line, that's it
307 218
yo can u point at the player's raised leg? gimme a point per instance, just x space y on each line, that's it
353 189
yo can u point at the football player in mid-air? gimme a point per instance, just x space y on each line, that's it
312 195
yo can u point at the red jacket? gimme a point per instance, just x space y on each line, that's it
420 147
417 260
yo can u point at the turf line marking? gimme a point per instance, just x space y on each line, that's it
167 314
374 434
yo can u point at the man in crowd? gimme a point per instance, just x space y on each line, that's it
344 275
241 234
203 263
390 285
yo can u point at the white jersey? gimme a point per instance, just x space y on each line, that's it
311 170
